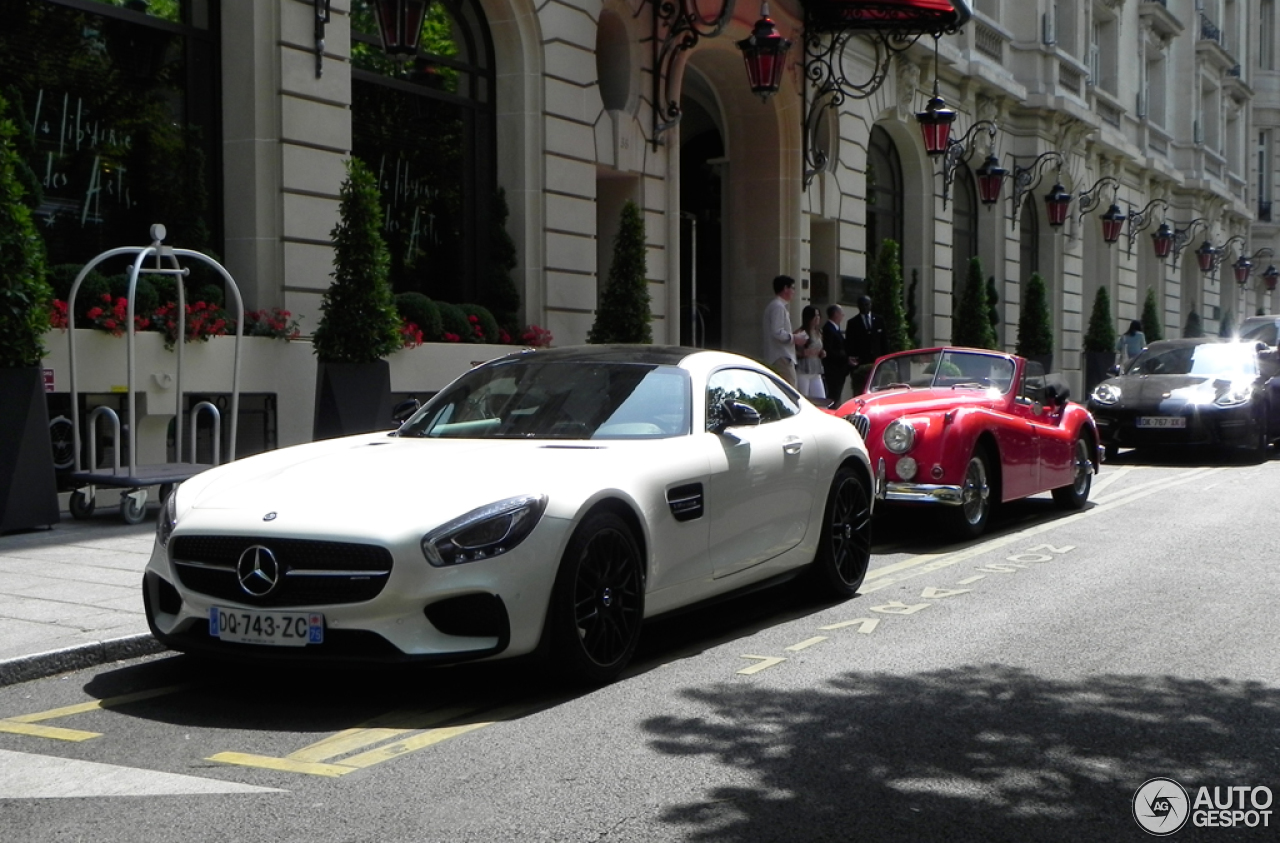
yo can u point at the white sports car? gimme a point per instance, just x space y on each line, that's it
545 501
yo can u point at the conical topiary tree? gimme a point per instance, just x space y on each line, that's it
1151 326
1101 336
1194 327
1035 323
993 306
359 321
913 324
886 298
501 296
623 315
973 324
25 295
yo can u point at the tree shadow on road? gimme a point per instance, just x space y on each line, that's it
980 753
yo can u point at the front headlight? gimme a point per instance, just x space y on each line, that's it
1235 395
485 532
1106 393
168 518
899 436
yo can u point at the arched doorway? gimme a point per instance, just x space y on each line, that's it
884 192
702 153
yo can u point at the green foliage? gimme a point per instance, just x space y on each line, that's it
423 312
1228 325
358 322
1151 327
1101 335
993 304
1194 327
454 323
1035 323
623 315
886 298
479 315
501 296
25 295
973 324
913 325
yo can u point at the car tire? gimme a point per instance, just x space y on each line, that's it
1258 451
844 548
597 603
1110 452
970 518
1076 494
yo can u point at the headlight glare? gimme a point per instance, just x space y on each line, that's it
899 436
485 532
1106 393
168 518
1234 395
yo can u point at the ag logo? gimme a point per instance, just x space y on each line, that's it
1160 806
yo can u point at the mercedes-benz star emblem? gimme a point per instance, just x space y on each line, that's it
258 571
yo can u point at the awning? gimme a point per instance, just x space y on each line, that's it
904 16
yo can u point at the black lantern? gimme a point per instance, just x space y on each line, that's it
1270 275
1242 267
765 52
1112 223
1207 256
400 25
1162 240
1056 204
990 179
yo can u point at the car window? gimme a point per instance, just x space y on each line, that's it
769 398
1260 332
1207 359
943 369
559 399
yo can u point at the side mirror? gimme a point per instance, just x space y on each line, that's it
405 409
730 413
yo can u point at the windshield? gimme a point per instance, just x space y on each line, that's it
948 368
1219 359
1259 330
531 398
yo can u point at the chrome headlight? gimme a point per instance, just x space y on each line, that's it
1106 393
168 518
899 436
485 532
1235 395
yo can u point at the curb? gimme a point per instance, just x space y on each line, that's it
40 665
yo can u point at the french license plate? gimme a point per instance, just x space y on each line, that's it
277 629
1161 422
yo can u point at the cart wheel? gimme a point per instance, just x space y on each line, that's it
133 506
82 504
61 435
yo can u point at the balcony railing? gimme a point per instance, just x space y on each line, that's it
1209 31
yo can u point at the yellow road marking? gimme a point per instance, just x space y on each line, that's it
865 625
52 732
350 740
765 662
795 648
21 724
286 765
429 738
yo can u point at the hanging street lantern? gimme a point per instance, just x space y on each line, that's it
1112 223
990 179
400 25
764 52
1242 267
1162 240
935 124
1056 204
1269 276
1207 257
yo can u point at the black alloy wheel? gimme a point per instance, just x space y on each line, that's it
844 549
597 606
1076 495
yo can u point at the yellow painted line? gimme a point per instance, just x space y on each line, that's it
765 662
973 579
52 732
350 740
865 625
95 705
803 645
266 762
395 750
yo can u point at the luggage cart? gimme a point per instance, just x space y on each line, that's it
156 258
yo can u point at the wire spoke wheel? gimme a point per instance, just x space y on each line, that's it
974 511
1076 495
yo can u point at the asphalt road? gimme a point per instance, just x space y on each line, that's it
1020 688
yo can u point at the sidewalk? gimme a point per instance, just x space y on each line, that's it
71 597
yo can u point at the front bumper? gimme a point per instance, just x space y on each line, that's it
899 491
1229 426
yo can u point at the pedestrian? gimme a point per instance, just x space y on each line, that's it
1131 343
780 342
865 339
809 364
835 365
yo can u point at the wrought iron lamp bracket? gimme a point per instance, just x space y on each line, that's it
678 25
1025 179
1139 221
1091 198
1182 236
321 19
1220 252
960 150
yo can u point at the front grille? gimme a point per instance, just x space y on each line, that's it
860 423
311 572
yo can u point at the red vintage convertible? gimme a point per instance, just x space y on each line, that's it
964 429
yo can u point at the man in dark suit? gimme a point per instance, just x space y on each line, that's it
865 339
835 366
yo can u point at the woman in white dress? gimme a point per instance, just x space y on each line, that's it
809 364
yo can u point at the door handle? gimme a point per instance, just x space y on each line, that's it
792 447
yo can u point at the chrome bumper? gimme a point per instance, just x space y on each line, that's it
922 493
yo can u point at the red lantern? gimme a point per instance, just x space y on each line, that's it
1112 221
1162 240
1242 266
1056 204
765 52
1270 276
990 178
935 125
400 25
1206 256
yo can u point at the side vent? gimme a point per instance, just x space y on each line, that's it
685 501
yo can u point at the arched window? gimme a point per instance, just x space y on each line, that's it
1029 237
426 129
884 192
